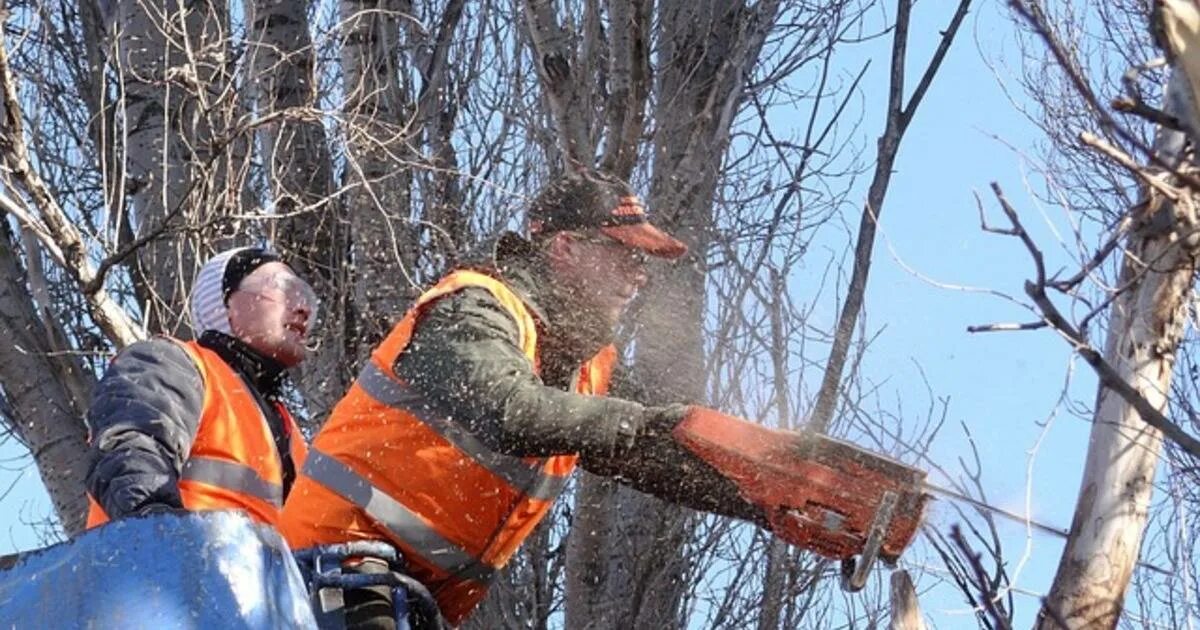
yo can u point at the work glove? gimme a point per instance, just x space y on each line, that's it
652 423
153 508
815 492
657 421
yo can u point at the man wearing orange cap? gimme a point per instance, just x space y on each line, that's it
467 421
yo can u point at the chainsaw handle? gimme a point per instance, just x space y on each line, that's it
855 573
818 493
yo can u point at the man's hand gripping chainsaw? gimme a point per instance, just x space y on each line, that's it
817 493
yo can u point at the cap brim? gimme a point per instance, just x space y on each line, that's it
647 238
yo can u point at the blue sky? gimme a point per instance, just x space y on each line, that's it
1002 386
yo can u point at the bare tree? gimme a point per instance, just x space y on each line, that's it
378 142
1141 195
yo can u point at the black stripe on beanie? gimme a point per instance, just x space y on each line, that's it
241 265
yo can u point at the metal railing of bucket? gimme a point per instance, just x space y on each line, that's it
322 569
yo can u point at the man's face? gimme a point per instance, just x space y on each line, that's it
272 311
599 272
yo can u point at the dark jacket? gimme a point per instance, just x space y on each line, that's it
465 355
145 413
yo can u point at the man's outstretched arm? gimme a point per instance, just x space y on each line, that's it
466 359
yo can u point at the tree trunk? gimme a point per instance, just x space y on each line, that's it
446 81
385 240
172 61
778 556
310 228
710 47
774 584
46 391
565 77
1144 332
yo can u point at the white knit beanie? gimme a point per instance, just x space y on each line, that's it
209 291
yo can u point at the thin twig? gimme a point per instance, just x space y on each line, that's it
984 328
1019 229
1122 158
1102 254
987 596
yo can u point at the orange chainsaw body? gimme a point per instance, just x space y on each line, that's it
818 493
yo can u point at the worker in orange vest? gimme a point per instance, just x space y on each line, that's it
202 424
468 419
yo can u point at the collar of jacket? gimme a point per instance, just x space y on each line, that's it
511 259
264 373
569 336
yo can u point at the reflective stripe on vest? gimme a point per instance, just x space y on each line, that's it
523 476
399 520
232 476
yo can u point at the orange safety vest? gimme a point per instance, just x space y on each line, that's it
388 465
234 463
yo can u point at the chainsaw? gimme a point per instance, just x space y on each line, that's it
817 493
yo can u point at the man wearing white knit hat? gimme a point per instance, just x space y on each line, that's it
202 424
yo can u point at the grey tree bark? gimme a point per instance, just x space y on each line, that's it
44 390
310 228
174 69
378 168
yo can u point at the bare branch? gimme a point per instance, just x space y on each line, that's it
1034 15
1120 157
898 119
935 62
987 594
560 79
1136 107
982 328
1109 377
54 229
629 79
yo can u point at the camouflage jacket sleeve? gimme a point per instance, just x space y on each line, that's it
465 359
659 466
